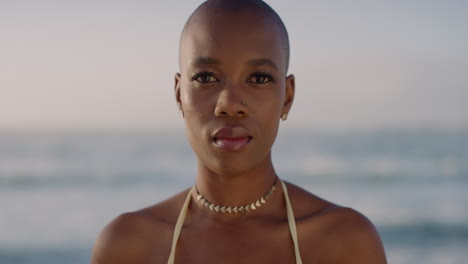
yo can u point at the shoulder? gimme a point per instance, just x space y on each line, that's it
124 240
340 234
141 236
352 238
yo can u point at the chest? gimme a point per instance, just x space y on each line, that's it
260 244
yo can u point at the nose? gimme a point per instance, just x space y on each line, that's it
231 104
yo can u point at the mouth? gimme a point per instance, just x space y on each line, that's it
231 144
231 138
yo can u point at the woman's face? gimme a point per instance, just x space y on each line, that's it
232 90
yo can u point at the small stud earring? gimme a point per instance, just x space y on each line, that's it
284 116
181 113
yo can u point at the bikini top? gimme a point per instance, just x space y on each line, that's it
183 213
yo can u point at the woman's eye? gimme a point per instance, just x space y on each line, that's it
204 77
260 78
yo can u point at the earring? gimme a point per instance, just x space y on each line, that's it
181 113
244 103
284 116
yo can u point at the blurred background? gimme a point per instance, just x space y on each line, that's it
89 127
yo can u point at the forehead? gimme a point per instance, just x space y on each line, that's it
232 38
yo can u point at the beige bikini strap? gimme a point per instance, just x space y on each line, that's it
292 224
183 213
178 226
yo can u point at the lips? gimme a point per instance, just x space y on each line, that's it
234 138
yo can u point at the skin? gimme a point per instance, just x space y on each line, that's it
224 60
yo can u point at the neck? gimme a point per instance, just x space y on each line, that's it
236 189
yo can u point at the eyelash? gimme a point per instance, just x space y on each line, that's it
256 75
263 75
204 74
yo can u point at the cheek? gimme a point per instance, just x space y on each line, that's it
271 106
195 108
194 101
268 116
270 124
189 99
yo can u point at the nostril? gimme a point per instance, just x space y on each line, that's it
228 109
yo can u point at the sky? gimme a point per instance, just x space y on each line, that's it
79 65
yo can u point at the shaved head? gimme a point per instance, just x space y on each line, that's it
210 11
233 61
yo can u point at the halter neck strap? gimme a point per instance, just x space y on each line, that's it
183 213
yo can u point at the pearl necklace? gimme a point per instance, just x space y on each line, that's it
235 209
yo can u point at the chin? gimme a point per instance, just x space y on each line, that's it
233 165
230 167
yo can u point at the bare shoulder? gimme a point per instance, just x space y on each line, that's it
352 238
329 233
142 236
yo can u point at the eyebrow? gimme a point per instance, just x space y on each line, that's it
200 61
262 62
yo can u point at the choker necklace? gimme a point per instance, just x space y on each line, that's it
235 209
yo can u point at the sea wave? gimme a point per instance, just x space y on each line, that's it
79 179
426 233
74 159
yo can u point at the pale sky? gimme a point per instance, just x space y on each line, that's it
110 64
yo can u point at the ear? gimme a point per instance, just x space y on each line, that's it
177 90
289 93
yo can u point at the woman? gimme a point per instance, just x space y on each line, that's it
232 91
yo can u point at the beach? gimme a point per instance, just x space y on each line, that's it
59 189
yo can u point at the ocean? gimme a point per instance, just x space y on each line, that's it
59 189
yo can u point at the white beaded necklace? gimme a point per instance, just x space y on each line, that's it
235 209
